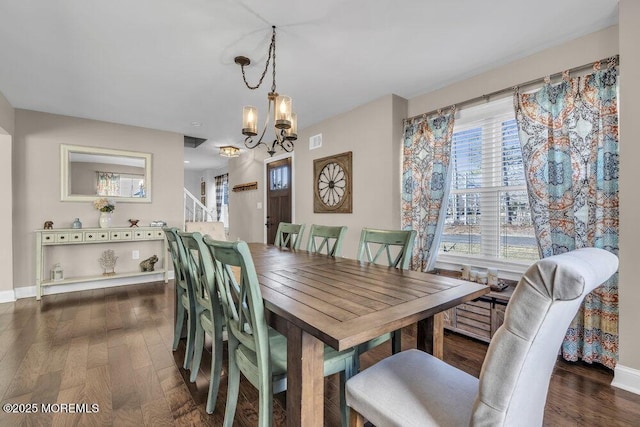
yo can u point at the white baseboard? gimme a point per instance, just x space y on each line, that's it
7 296
627 379
30 291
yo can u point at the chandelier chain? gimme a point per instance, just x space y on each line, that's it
271 53
273 43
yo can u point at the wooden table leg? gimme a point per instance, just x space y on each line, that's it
431 335
305 379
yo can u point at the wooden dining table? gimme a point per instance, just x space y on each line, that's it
315 300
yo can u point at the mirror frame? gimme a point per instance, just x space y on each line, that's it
65 187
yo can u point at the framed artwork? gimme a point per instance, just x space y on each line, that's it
332 184
203 188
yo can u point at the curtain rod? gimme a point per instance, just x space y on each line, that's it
610 62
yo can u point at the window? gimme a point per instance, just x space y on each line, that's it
279 179
222 198
224 214
132 186
488 216
120 184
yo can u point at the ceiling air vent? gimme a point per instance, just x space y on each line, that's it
315 141
192 141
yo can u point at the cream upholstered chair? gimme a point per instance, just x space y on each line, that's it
288 235
413 388
215 229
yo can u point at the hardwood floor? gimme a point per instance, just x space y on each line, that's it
112 347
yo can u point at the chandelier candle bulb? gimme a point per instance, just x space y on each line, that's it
283 112
249 121
292 132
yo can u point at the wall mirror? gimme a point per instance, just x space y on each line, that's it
91 172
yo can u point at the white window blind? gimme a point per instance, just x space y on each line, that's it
488 215
131 186
224 208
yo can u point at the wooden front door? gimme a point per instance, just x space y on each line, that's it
278 196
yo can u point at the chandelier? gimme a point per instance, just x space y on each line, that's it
285 122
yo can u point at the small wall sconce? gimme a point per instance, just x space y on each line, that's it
57 273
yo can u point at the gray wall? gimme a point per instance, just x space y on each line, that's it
7 124
629 194
36 177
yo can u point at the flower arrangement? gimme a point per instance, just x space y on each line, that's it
105 205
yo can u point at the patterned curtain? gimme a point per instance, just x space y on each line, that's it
108 184
569 138
221 180
426 177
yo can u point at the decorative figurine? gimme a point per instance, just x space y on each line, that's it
492 277
147 264
466 271
133 222
108 262
48 225
56 272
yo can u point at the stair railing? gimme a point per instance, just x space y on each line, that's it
195 211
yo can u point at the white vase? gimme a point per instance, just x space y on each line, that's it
105 219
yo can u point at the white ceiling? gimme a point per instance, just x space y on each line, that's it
165 64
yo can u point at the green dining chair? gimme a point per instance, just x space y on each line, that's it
183 295
289 235
256 350
208 311
326 237
397 245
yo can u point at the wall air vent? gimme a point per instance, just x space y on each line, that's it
315 141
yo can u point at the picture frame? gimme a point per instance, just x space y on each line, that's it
332 182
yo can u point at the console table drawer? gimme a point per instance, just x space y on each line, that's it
62 237
48 238
148 234
102 236
90 236
120 235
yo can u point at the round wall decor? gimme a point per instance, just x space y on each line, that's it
332 184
